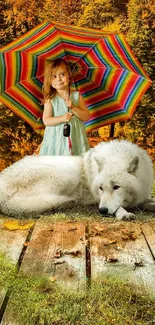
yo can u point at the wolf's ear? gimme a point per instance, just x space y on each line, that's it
99 164
133 164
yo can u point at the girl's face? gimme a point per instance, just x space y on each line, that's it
60 78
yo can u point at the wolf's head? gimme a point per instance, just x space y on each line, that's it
114 184
119 174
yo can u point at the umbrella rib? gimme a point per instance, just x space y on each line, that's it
62 42
87 53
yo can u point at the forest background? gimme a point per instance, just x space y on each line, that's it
134 18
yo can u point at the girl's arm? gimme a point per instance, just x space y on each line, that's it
81 111
50 120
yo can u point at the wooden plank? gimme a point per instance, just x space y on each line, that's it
149 234
11 244
57 250
116 249
152 223
120 250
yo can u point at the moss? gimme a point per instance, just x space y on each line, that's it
8 272
36 301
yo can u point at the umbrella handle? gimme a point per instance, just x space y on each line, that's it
66 130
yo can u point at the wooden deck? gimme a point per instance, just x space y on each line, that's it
74 253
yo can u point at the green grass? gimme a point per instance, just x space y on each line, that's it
89 214
36 301
8 272
73 213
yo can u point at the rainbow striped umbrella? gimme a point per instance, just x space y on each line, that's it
104 70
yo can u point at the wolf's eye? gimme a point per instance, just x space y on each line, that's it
101 188
116 187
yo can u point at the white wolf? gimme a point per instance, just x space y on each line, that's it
116 175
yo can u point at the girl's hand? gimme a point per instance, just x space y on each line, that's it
68 102
67 117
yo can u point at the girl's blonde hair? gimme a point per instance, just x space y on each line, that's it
48 90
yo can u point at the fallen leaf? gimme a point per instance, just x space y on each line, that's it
17 224
125 238
52 278
73 253
129 236
125 231
94 233
132 236
58 253
26 244
112 259
112 241
101 229
109 242
51 229
72 229
138 264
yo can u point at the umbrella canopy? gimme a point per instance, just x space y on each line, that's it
104 70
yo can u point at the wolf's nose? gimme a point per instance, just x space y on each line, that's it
103 210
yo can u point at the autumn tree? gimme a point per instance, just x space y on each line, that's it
141 36
64 11
17 138
100 13
20 16
3 25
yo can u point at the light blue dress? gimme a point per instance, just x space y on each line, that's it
54 142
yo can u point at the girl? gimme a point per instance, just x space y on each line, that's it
61 106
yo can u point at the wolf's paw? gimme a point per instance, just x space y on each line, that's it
129 216
122 214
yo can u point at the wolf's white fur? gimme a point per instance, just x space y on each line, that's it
116 175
